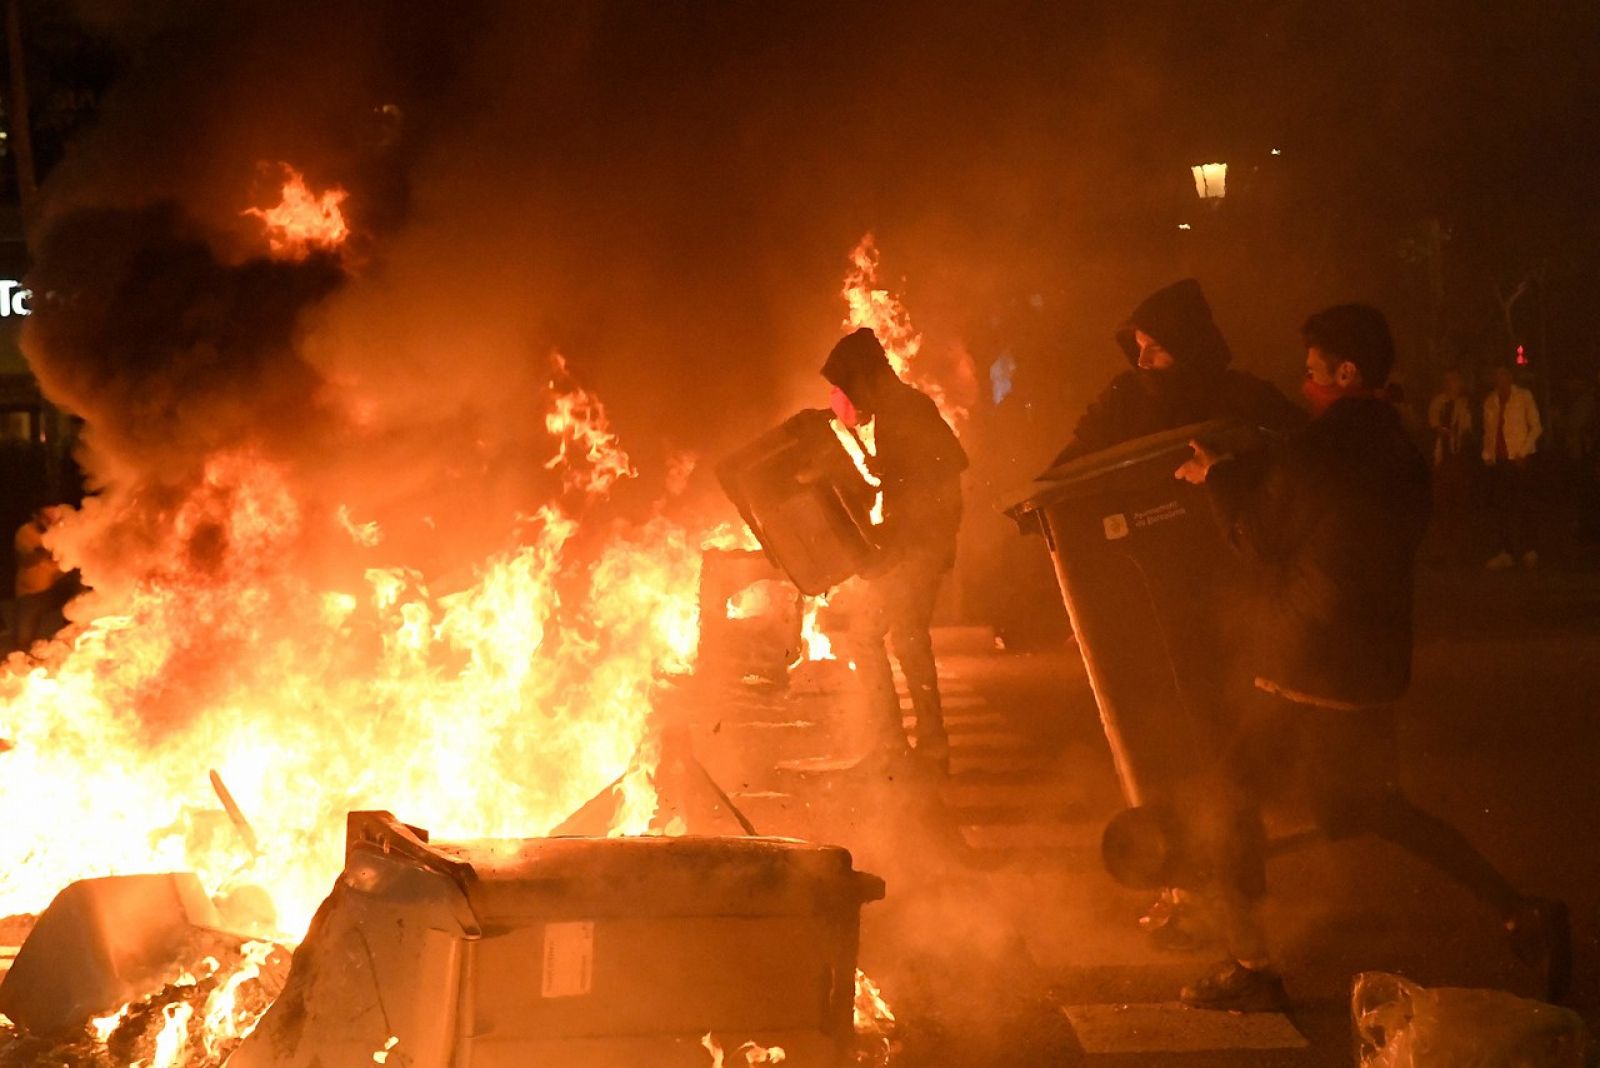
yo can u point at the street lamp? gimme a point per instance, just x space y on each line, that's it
1210 180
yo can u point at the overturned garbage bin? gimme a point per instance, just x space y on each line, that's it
805 500
1149 582
600 952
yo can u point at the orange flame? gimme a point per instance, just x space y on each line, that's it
493 711
815 644
874 1022
753 1053
302 221
871 304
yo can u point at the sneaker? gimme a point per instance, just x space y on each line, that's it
888 755
1501 562
1541 936
1530 559
1231 987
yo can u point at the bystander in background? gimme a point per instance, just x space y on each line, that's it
1511 431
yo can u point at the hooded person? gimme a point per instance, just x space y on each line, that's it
1179 375
918 462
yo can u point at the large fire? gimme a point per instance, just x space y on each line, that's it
225 709
493 710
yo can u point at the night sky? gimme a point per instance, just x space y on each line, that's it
692 175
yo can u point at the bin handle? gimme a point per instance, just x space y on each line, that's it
869 887
1044 528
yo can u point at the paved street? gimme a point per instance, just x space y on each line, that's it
1003 942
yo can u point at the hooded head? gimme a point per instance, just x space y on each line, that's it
1179 320
856 364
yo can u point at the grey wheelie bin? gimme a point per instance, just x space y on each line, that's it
805 501
1151 586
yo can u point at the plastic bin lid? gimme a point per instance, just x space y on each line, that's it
658 875
1068 478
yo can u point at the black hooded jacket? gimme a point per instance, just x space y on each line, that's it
918 457
1330 522
1199 386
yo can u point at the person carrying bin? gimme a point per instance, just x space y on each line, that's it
1179 375
918 461
1328 524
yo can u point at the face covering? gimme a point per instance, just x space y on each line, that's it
842 408
1322 397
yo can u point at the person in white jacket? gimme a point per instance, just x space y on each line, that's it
1511 430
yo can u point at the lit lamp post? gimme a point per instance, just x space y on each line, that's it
1211 181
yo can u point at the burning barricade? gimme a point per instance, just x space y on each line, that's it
258 656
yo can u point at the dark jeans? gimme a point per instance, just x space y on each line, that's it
1510 498
1452 502
899 607
1344 765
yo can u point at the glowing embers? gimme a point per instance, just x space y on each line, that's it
188 991
750 1053
814 641
874 1021
303 221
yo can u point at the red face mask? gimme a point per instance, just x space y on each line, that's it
1322 397
842 408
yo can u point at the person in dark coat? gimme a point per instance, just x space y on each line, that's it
1179 375
1330 523
918 462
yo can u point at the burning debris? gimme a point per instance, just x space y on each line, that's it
249 665
307 595
750 1052
303 222
633 941
135 969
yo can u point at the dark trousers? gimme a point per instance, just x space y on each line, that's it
1452 501
899 607
1344 765
1510 498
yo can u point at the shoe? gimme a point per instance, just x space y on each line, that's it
1530 559
933 751
889 756
1501 562
1231 987
1541 936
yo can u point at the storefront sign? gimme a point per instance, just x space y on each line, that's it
14 297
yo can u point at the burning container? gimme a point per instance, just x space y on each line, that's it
570 951
805 500
749 616
1147 578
